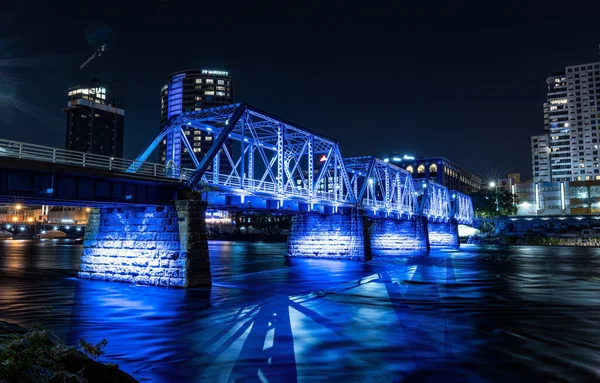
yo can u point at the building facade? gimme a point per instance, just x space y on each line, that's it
187 91
442 171
94 125
568 149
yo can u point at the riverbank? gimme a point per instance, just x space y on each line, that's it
38 355
535 240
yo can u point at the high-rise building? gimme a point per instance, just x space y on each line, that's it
94 125
192 90
568 151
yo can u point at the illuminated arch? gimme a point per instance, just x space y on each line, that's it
421 169
433 168
410 169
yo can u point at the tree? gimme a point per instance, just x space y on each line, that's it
484 203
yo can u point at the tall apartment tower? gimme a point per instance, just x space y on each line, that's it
186 91
568 151
94 125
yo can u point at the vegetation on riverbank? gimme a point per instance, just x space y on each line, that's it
536 240
38 355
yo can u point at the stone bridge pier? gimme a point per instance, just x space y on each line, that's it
443 233
354 236
159 245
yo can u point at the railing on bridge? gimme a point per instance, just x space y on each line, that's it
34 152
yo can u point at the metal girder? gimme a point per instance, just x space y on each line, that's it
462 208
435 200
216 146
381 186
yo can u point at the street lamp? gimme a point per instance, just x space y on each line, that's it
493 185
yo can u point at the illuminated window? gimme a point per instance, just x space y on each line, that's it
198 98
197 138
421 169
220 88
210 81
221 94
197 150
208 138
209 92
197 132
198 81
410 169
433 168
187 132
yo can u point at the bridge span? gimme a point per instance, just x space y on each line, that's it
148 223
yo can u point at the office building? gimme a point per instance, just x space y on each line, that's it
568 149
94 125
187 91
440 170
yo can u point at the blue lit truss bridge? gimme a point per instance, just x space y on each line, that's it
256 156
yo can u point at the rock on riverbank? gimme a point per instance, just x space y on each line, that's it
38 355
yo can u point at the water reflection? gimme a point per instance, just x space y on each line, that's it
495 314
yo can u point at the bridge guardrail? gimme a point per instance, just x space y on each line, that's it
15 149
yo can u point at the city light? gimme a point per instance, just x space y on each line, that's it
8 226
492 184
15 219
18 206
22 228
55 228
29 219
87 209
323 158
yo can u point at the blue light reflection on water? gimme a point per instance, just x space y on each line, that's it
493 314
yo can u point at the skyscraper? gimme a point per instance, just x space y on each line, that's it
93 124
192 90
568 151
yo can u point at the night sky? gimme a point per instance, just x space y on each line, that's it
463 81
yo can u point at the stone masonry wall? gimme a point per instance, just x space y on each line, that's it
443 234
161 246
391 234
336 236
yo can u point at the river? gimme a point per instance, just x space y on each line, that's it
496 314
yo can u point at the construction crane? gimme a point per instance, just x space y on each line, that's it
97 53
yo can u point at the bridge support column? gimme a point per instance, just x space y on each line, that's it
386 234
160 246
443 234
338 236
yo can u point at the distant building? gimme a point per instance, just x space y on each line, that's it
187 91
94 125
568 150
440 170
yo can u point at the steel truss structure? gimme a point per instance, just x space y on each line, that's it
462 208
381 186
269 157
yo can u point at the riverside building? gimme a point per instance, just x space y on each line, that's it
94 125
568 149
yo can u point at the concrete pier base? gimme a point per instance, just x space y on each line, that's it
386 234
443 234
160 246
334 236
